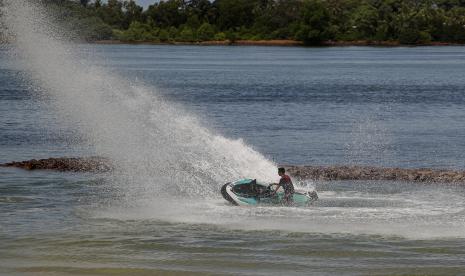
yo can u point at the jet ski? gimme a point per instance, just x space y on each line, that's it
250 192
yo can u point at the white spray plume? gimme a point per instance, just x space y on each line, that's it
157 147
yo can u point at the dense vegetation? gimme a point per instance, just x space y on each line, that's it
310 21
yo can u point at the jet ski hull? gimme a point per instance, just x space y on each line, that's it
246 192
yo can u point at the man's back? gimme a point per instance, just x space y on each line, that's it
286 183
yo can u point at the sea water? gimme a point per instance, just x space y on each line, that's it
181 120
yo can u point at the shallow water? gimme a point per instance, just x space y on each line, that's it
62 224
382 106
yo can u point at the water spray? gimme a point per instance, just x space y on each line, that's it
158 148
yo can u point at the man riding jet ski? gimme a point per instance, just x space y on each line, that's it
250 192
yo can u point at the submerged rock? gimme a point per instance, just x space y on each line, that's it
63 164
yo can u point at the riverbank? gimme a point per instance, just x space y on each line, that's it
209 43
326 173
284 42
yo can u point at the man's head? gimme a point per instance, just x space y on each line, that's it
281 171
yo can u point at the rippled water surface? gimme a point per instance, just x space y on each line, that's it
377 106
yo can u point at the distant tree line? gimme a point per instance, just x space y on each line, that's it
311 21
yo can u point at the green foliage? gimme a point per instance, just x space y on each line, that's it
454 25
173 32
206 32
98 4
137 31
132 12
235 13
167 13
409 35
112 13
193 22
186 35
365 22
220 36
314 26
311 21
231 36
163 35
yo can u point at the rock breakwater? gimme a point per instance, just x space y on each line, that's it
375 173
326 173
65 164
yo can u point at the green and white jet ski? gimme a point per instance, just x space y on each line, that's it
250 192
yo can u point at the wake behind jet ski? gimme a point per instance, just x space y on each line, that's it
250 192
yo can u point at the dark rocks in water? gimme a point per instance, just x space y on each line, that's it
65 164
100 164
375 173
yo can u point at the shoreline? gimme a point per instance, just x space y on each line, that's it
320 173
281 43
292 43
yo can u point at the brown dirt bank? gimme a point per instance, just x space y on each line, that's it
287 42
100 164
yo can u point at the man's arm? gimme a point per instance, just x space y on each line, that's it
277 188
